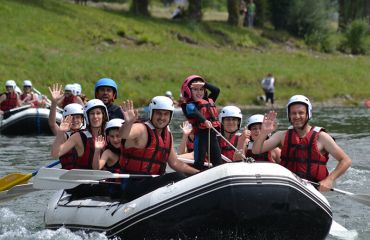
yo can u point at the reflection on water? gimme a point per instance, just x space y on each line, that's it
22 218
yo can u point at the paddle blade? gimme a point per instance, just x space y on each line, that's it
13 179
85 174
361 198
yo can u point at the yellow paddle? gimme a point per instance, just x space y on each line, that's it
13 179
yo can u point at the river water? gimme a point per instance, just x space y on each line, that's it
22 218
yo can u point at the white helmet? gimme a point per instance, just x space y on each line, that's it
73 109
161 103
94 103
69 87
10 83
114 123
77 89
231 111
300 99
168 94
256 118
27 83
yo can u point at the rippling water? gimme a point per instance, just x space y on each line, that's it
22 217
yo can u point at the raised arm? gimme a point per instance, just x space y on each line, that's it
186 131
56 94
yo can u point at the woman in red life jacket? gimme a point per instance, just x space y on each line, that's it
28 97
201 112
305 149
68 97
9 99
231 119
148 148
109 159
254 126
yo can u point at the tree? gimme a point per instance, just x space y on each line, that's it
194 10
262 12
350 10
140 7
279 13
234 10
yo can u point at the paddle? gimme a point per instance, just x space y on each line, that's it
361 198
13 179
7 113
51 178
233 147
339 231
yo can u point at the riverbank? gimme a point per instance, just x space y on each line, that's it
50 41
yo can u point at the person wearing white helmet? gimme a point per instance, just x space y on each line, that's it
68 97
28 97
79 94
109 159
9 99
305 149
95 116
231 120
169 95
148 148
254 123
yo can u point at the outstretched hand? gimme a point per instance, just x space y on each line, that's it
246 134
56 92
269 122
99 142
186 128
66 123
130 114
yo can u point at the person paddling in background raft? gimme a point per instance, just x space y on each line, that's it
28 97
201 112
231 120
9 99
68 97
305 149
254 127
148 148
106 90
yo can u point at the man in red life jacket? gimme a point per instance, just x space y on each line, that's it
9 99
148 147
28 96
305 149
68 97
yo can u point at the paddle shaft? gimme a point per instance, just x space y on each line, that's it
56 162
231 145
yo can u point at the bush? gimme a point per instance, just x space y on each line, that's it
321 41
355 38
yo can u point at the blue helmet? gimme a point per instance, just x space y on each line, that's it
106 82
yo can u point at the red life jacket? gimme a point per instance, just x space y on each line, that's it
85 161
68 100
189 144
10 102
226 149
302 156
149 160
34 103
209 111
266 156
69 160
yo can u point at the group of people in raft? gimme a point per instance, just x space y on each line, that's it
102 135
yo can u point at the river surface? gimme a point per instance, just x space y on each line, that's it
22 218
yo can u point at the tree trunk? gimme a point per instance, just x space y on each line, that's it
367 11
140 7
235 12
195 10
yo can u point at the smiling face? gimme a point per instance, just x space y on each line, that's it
255 130
298 116
197 90
96 117
77 121
230 124
106 94
161 118
114 138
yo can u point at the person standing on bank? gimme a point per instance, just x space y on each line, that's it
268 86
148 147
305 149
106 90
251 13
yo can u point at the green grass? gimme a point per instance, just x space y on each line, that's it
50 41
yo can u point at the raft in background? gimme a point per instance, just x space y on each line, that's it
27 121
230 201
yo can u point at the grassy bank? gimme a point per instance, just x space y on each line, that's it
51 41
